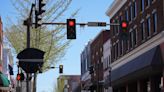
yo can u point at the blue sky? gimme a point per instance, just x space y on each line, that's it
90 10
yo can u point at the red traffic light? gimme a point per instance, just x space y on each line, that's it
124 24
18 77
71 23
71 29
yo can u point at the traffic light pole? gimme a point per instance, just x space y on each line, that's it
28 24
28 46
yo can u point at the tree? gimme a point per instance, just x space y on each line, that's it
60 84
52 40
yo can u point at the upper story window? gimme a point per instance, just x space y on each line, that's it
131 12
131 39
117 27
126 45
116 49
134 9
155 22
120 46
127 15
142 5
148 3
114 55
109 60
135 36
148 26
142 30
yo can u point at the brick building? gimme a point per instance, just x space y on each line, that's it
137 62
106 66
71 83
97 60
85 66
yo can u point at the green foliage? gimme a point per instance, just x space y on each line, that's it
52 40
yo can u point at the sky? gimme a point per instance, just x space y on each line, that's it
90 11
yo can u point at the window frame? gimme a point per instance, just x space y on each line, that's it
148 24
142 31
155 22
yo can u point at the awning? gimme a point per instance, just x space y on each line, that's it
4 82
145 62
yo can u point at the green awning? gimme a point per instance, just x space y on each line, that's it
4 82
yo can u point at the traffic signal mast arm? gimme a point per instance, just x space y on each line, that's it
90 24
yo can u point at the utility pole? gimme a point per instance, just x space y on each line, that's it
28 23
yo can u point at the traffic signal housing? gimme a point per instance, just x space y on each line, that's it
71 29
123 30
20 77
60 68
41 5
37 19
91 69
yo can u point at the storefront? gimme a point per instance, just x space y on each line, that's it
4 83
142 74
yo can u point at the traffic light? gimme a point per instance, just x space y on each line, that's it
124 30
41 5
20 77
60 68
71 29
91 70
37 19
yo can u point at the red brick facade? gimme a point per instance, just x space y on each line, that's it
96 59
135 24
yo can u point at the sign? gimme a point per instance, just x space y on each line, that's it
96 23
31 59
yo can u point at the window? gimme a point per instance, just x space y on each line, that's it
126 45
109 62
113 30
120 47
116 50
131 39
114 55
148 27
134 9
135 36
141 5
131 12
120 19
127 15
154 22
148 3
142 31
103 63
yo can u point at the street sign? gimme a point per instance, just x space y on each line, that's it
96 24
